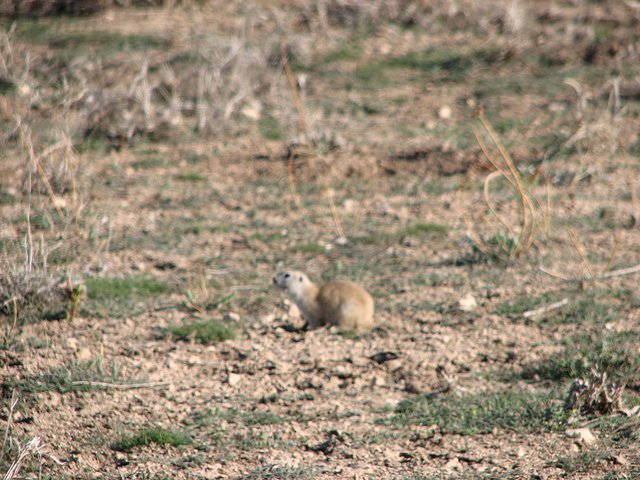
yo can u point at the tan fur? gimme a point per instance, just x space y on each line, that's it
344 304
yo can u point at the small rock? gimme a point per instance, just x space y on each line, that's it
444 112
521 452
72 343
59 202
313 382
411 387
394 365
584 436
342 372
620 460
84 355
232 317
253 110
350 205
467 303
233 379
453 464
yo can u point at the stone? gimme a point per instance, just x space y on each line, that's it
467 303
583 435
84 355
444 112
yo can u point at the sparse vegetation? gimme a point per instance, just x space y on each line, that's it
279 473
100 288
73 377
471 163
147 436
610 352
481 413
207 331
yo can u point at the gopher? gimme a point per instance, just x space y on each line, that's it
344 304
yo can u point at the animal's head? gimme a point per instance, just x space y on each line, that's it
291 281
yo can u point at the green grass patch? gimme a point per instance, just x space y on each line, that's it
38 221
434 279
421 230
348 52
481 413
121 297
584 308
584 462
613 352
63 379
308 248
270 128
210 417
426 229
277 472
7 87
189 177
110 288
147 436
206 332
105 42
149 163
438 64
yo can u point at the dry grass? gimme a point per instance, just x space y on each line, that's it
595 395
534 216
174 158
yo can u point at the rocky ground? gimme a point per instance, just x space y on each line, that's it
160 165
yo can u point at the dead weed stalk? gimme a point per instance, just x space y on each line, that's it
594 394
534 218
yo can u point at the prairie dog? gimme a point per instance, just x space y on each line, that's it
344 304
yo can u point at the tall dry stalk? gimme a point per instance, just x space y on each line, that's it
534 218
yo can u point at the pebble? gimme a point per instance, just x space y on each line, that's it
84 355
467 303
444 112
233 379
583 435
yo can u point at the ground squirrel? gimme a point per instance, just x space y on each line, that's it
344 304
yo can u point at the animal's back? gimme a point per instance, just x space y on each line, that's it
346 305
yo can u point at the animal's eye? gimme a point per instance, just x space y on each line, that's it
300 278
286 275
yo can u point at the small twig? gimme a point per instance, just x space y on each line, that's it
292 185
583 257
547 216
614 254
487 181
620 272
360 209
334 212
118 386
556 275
546 308
294 88
615 273
635 210
33 447
43 176
12 406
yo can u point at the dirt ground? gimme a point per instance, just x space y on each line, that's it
467 162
